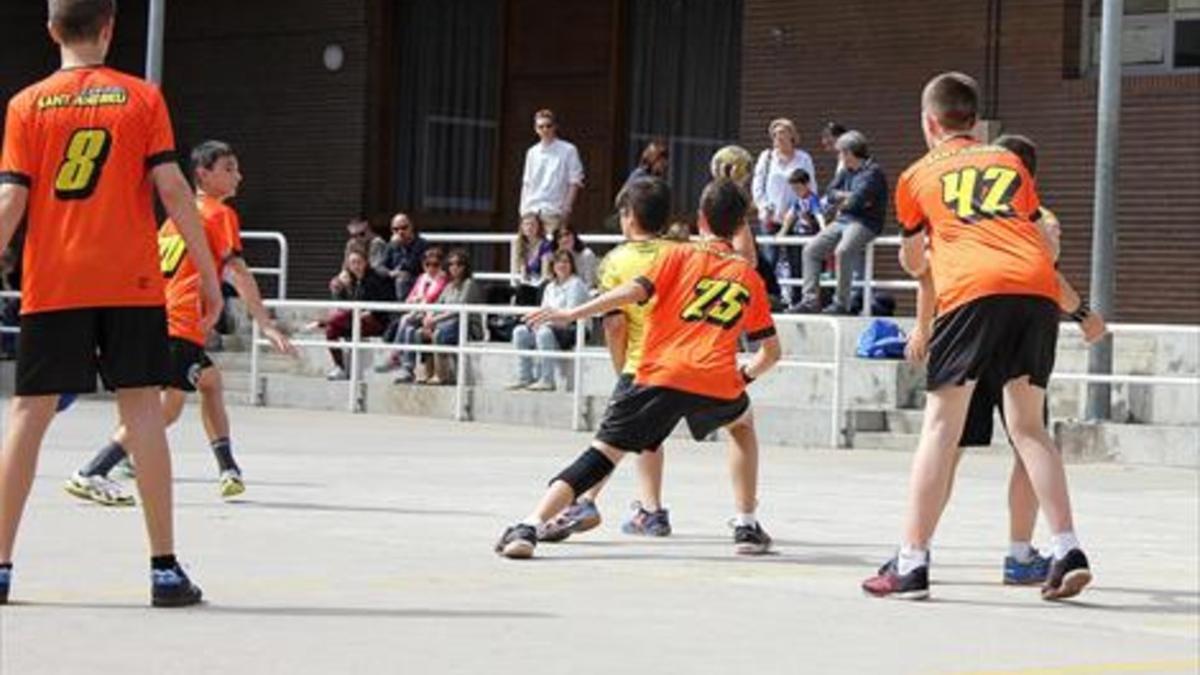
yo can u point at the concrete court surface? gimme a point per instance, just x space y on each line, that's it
364 546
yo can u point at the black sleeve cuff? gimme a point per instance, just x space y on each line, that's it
915 231
647 286
160 158
763 334
15 178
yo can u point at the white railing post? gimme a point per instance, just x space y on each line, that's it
835 433
256 398
283 267
460 368
868 278
355 336
577 367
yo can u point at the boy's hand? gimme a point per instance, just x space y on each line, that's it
1093 327
916 350
541 317
279 341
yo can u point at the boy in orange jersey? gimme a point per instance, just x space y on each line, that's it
217 175
707 296
997 293
84 150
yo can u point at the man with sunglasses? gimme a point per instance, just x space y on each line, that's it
553 175
403 256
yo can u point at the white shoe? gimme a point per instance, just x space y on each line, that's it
541 385
98 489
336 373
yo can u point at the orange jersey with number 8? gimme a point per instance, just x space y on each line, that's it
184 298
978 204
83 141
706 297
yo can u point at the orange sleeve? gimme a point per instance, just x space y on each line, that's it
160 139
665 273
16 162
908 209
1026 201
758 323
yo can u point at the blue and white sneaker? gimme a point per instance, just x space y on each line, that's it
648 523
1034 571
5 582
173 588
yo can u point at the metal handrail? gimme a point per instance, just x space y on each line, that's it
464 348
281 271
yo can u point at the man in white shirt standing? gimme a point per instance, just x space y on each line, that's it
553 175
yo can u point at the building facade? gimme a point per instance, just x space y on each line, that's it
344 107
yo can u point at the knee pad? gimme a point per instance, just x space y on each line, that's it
591 468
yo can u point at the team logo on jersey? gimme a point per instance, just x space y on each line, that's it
193 374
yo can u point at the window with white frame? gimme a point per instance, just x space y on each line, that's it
1156 35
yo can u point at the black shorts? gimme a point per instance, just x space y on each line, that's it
62 352
987 398
188 360
1003 336
640 418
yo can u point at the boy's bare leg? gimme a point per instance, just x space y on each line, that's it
743 463
28 419
650 478
141 414
933 463
560 495
1022 504
212 404
1023 407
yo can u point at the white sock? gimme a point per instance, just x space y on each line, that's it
1062 543
910 559
745 519
1021 551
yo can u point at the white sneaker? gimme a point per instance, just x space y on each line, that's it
98 489
336 373
541 385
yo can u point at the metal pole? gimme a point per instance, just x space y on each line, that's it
835 423
256 399
355 337
577 364
868 279
460 374
154 40
1108 113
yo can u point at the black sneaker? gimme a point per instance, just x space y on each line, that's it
518 541
5 583
1068 576
751 540
173 588
889 583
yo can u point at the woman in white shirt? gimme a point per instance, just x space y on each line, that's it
770 189
565 290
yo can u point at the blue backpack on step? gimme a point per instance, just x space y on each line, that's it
882 339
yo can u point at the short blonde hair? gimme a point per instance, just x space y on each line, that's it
785 124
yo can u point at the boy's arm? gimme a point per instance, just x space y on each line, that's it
247 290
616 337
13 198
625 294
180 203
1071 303
768 354
917 347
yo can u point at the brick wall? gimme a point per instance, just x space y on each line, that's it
864 63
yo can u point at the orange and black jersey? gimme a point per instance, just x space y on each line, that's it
978 204
706 297
222 230
84 141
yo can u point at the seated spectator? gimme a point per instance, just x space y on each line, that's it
565 291
858 218
403 255
442 327
585 258
830 132
360 235
425 291
530 248
653 163
678 231
802 218
359 283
